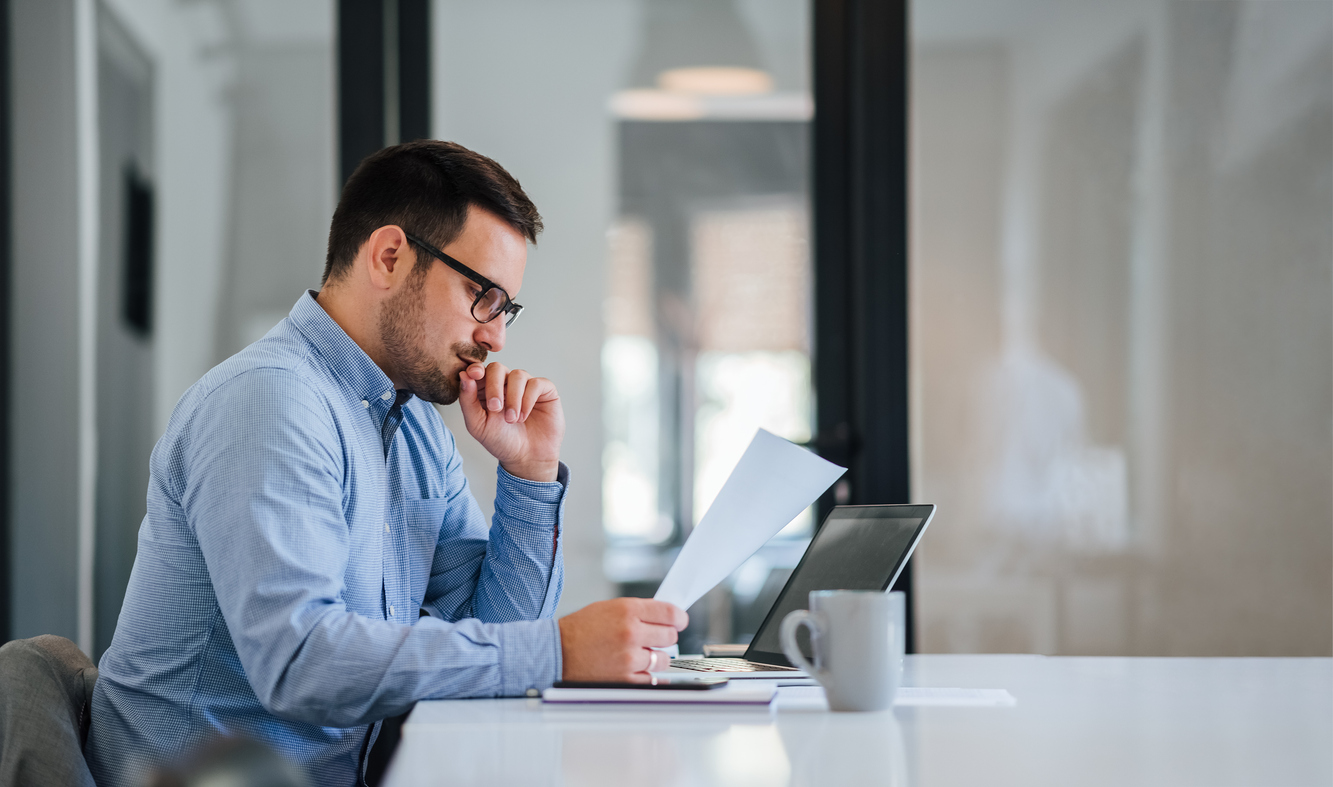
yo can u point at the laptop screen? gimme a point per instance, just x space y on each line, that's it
858 548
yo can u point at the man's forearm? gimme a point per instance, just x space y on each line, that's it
523 573
353 670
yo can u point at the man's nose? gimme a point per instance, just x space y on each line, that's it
491 335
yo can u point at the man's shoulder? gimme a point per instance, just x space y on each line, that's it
269 394
276 373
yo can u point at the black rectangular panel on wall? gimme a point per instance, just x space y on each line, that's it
137 306
860 248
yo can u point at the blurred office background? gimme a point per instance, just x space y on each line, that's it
1120 284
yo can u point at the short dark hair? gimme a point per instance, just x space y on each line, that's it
425 187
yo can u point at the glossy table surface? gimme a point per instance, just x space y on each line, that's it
1077 721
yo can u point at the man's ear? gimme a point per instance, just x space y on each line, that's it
386 256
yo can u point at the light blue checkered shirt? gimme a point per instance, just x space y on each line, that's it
288 546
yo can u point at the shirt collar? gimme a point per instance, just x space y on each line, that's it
344 356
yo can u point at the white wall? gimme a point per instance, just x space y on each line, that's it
245 133
193 134
283 188
44 380
123 367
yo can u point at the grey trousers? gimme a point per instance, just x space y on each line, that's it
46 691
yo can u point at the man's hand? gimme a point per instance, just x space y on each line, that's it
516 417
610 640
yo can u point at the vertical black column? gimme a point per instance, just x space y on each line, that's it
860 226
360 82
413 70
369 55
5 244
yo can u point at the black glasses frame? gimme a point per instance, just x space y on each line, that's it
510 308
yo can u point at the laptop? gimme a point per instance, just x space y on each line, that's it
858 548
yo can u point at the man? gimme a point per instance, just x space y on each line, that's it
306 502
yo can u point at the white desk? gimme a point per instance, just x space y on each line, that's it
1078 721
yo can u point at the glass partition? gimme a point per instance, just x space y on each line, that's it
1123 325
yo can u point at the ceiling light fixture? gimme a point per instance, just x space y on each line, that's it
716 81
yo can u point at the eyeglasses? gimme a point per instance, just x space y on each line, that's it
493 300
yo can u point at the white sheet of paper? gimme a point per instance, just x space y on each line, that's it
774 481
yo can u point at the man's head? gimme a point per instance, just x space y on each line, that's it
411 312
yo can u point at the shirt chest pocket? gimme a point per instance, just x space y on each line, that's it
423 519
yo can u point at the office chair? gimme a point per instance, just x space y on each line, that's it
46 692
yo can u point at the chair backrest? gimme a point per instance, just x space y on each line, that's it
46 692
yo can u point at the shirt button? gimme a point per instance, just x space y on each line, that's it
365 403
387 395
391 611
386 527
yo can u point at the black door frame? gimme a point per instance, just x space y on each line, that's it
860 203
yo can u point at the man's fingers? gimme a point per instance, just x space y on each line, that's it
538 389
514 392
611 640
477 374
653 635
656 661
467 399
662 613
495 392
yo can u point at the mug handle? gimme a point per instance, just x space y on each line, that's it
794 620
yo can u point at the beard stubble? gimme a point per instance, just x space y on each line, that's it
403 335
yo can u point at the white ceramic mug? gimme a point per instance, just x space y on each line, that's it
897 635
857 648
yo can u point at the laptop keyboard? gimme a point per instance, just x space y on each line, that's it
727 665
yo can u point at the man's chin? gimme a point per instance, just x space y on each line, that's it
440 397
438 389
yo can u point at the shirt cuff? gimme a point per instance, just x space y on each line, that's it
533 502
529 656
